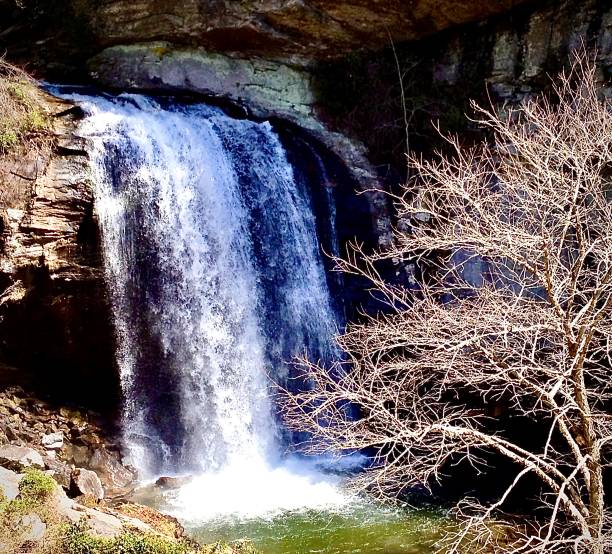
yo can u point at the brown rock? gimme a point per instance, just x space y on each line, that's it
86 482
78 455
309 29
171 482
162 523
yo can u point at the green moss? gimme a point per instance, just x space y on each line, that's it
8 140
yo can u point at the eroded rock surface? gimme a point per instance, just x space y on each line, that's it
54 317
297 29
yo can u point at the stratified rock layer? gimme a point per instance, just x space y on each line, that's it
54 318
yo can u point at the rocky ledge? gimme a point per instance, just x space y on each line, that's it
36 515
297 30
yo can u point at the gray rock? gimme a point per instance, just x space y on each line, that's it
53 441
67 508
18 457
86 482
103 524
269 88
36 529
9 483
115 477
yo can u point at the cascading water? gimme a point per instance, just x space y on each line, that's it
216 281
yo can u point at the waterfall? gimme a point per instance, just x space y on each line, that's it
215 277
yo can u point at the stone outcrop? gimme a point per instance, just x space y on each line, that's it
298 30
503 60
280 29
54 318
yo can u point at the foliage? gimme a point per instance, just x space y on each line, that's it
23 120
35 490
36 486
512 244
78 540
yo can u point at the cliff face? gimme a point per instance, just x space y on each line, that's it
306 29
259 53
274 29
502 60
54 320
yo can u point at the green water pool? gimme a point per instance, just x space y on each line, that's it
366 528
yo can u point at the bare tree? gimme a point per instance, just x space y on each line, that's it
530 331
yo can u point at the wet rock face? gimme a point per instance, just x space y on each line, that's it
503 60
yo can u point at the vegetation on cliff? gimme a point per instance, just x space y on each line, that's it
24 120
510 330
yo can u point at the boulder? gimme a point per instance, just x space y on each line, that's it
35 528
19 457
87 483
169 483
53 441
66 508
9 483
103 524
115 477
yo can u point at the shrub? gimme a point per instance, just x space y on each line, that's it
78 540
36 486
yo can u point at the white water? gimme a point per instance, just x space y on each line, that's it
216 280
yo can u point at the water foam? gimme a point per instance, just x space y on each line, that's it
252 489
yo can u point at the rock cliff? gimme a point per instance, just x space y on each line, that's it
501 60
322 66
288 30
54 320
